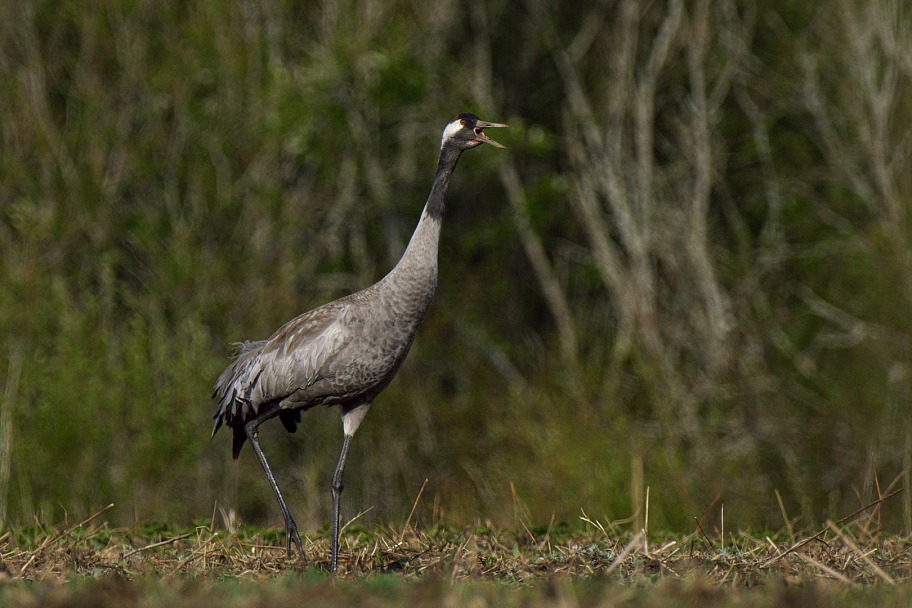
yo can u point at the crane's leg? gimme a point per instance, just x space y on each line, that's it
291 528
337 496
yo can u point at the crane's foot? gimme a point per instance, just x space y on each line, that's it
291 534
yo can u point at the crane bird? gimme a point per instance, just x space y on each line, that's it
346 352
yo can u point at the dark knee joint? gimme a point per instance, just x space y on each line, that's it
251 429
337 485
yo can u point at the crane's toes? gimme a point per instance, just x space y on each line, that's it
291 534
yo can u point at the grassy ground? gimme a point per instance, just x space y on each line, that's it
841 564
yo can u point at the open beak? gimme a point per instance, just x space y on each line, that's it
480 136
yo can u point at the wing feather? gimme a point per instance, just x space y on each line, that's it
290 360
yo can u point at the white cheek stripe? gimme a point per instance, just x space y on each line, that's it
450 131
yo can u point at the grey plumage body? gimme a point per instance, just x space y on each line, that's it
347 351
342 353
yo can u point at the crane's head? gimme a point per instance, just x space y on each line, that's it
466 131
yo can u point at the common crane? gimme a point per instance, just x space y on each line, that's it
346 352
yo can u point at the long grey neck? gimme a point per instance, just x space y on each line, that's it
419 261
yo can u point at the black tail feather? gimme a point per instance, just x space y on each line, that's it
290 419
240 438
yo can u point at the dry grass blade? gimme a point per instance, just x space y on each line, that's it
594 522
160 543
628 548
804 542
408 521
529 532
785 518
861 554
703 534
355 518
55 537
194 553
773 545
826 569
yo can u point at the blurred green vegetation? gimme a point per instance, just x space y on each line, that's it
176 177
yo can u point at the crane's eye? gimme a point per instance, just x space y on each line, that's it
462 122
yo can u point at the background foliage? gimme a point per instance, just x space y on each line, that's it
691 271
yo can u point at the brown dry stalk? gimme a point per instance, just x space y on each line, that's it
628 548
160 543
412 512
826 569
56 537
823 530
861 555
194 553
